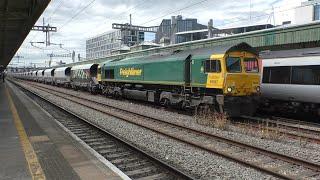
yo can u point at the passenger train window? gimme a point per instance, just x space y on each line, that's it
280 75
308 75
212 66
251 65
233 64
277 75
266 75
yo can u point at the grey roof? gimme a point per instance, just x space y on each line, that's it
290 53
16 20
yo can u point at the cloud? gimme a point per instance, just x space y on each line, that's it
99 16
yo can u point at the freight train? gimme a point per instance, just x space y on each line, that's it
291 81
224 78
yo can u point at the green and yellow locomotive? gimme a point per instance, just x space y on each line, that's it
225 78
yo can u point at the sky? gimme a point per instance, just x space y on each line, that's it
78 20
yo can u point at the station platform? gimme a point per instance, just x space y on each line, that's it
34 146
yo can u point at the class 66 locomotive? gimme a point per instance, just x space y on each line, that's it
223 78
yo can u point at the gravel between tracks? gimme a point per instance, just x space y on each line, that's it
283 145
198 162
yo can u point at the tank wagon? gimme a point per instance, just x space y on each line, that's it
48 76
40 75
62 76
33 76
225 78
86 77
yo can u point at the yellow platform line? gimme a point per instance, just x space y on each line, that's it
31 157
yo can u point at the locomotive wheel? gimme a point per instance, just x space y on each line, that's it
165 102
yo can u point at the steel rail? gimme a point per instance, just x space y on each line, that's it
128 143
293 160
307 133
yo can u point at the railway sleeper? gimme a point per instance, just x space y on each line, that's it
79 130
85 135
134 165
101 145
156 176
119 155
97 140
115 150
122 161
147 171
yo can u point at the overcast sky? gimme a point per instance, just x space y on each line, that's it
78 20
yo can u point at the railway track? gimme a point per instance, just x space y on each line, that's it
273 163
282 126
295 129
298 123
132 161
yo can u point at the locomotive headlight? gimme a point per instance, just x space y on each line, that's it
258 89
229 89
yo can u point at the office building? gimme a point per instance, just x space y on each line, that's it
308 11
169 27
112 42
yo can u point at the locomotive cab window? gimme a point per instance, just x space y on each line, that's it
233 64
212 66
109 73
251 65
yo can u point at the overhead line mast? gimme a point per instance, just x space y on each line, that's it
47 29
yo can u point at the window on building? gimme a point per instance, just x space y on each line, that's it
317 12
211 66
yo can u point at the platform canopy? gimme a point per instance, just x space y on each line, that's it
17 17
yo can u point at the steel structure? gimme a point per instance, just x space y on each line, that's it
287 37
127 26
16 20
46 29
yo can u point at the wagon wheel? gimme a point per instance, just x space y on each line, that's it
117 95
106 92
183 105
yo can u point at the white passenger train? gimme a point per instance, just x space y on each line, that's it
291 80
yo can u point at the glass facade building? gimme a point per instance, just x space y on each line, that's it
103 45
169 27
316 12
